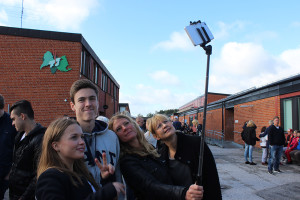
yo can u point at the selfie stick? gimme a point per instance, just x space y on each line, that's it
200 35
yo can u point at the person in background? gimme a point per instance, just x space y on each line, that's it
250 139
181 153
177 123
264 147
62 173
295 154
196 127
7 138
277 139
140 121
149 137
293 145
287 144
22 178
103 119
288 138
144 172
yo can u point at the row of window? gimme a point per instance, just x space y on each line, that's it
92 70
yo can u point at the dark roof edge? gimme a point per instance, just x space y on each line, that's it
33 33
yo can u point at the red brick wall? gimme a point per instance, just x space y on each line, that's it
260 111
214 97
214 119
22 78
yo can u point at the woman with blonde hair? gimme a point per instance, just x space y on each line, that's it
144 172
181 152
249 137
62 173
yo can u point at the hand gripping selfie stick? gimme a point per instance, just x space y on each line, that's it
201 35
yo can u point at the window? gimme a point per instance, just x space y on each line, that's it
96 74
83 57
104 82
287 114
290 113
115 92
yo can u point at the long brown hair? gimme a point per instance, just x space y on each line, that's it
50 158
147 148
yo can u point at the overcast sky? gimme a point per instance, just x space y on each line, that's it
144 46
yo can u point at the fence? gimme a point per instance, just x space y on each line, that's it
214 138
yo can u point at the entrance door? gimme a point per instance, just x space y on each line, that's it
229 124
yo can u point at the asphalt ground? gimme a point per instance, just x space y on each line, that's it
252 182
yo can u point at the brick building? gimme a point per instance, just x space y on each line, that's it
41 66
227 115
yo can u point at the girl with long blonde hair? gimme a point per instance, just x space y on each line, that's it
61 172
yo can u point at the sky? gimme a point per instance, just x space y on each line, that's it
144 46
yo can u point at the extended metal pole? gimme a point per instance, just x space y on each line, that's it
208 50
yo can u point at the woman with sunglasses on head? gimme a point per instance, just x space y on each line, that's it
181 151
144 172
62 173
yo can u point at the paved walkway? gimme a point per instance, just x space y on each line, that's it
252 182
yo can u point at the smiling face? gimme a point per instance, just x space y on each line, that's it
85 105
125 130
70 146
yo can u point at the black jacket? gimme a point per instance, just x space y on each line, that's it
56 185
276 136
188 153
149 178
7 138
22 178
250 135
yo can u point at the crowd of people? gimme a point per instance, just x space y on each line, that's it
93 157
276 148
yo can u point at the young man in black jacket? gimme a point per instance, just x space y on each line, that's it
27 149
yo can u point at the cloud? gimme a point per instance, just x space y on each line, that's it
295 24
261 36
244 65
64 15
3 17
165 77
177 41
225 29
148 99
